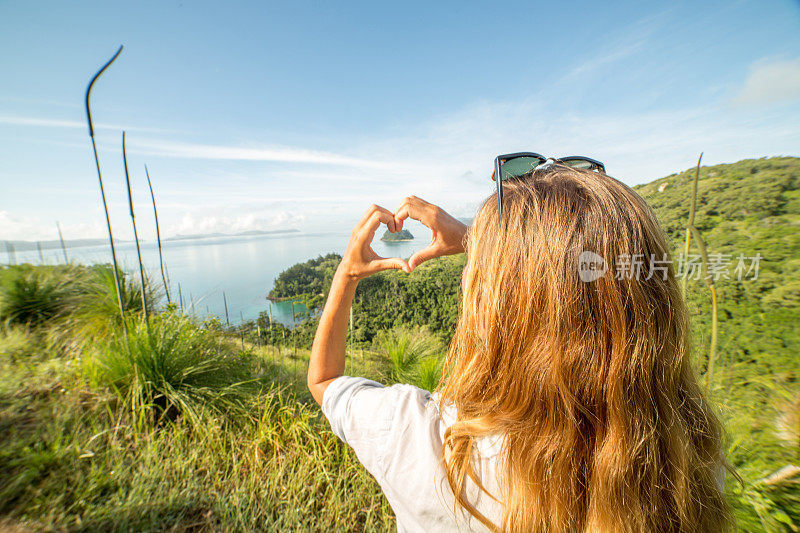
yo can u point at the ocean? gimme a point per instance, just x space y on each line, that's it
244 268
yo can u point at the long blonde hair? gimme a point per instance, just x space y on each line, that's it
589 382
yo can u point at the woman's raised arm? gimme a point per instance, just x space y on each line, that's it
359 261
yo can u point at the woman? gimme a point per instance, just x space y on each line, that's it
568 402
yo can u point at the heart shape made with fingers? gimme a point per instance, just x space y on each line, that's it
360 260
447 233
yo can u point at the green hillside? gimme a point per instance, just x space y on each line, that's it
750 207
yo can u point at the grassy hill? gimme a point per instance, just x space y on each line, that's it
750 207
178 424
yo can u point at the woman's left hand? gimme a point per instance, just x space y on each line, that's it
360 260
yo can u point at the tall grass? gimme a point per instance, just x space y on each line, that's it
69 464
12 253
754 409
61 239
414 355
15 342
36 295
97 310
174 368
429 373
225 301
690 223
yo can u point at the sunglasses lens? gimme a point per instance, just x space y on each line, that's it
580 163
514 168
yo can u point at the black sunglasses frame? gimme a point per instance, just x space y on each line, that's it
501 159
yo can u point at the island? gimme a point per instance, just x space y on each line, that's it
400 236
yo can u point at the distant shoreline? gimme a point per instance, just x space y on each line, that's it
225 235
27 246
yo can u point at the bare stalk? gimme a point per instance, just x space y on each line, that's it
709 279
135 233
12 253
225 299
102 189
158 236
690 224
61 238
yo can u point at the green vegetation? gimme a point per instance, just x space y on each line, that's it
307 281
429 296
415 356
170 368
164 425
35 295
177 424
745 209
402 235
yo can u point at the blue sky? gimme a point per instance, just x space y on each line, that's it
266 115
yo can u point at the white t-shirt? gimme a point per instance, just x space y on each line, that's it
397 434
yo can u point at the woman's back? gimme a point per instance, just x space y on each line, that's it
397 434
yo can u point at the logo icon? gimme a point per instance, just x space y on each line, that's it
590 266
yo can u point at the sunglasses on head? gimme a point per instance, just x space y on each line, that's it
510 166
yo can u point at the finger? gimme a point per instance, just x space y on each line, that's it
376 218
416 208
374 208
390 263
411 206
426 254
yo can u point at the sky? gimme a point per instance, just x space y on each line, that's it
298 115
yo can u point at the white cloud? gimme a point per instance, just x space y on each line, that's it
628 44
32 228
618 53
61 123
636 147
446 160
45 122
770 83
191 224
242 153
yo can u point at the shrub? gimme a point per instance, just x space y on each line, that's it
172 368
413 354
429 372
97 309
36 295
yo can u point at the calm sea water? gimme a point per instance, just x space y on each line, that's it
243 267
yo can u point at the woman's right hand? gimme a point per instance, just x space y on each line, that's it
448 234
